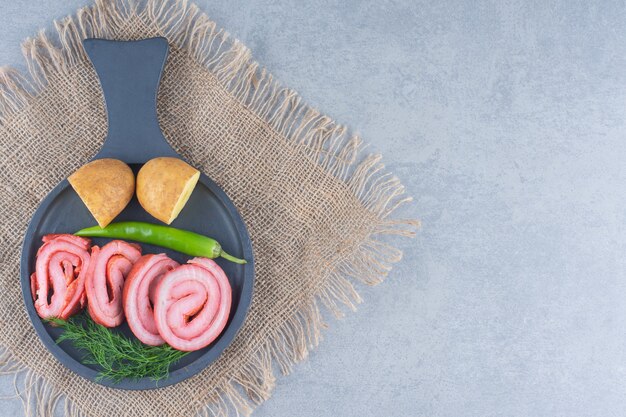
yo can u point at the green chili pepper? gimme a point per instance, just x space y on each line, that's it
179 240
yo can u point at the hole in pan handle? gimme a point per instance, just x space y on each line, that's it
129 73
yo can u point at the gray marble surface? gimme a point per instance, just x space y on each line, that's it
505 120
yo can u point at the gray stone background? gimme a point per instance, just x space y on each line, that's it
505 120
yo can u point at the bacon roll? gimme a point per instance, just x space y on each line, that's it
192 304
104 282
58 283
138 296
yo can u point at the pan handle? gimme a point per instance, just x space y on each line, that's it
129 73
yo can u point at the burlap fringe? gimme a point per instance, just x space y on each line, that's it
316 135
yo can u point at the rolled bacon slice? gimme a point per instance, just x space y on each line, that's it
138 296
192 304
104 283
58 283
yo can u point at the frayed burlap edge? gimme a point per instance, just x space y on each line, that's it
317 136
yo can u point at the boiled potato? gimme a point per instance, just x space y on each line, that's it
164 186
105 186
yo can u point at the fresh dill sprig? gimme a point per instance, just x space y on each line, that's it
118 356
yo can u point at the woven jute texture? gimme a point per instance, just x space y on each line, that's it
317 210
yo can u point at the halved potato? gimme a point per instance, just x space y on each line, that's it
105 186
164 185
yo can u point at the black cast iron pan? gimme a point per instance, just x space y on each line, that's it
129 73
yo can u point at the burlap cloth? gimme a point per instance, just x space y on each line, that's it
316 210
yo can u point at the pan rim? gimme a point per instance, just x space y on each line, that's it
178 375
